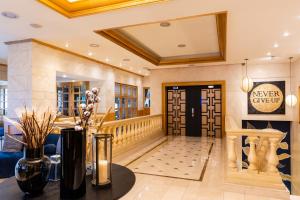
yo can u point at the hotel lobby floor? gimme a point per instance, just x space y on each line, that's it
151 183
180 157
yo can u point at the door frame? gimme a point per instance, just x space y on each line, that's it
195 83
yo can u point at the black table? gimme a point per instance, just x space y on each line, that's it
123 180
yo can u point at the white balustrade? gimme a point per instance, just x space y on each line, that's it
262 149
261 155
130 131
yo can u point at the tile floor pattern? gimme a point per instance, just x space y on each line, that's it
180 157
149 187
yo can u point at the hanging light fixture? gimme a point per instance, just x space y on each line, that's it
291 99
247 83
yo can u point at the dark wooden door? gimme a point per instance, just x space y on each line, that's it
193 111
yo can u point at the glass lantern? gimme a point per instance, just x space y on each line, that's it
102 159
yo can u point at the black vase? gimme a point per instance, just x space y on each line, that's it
73 167
32 171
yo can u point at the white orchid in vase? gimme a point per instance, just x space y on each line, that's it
87 109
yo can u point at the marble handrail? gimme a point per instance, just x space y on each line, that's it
128 132
262 154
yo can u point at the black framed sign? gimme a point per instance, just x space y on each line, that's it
267 98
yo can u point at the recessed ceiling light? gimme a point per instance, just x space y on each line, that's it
94 45
10 15
64 76
73 80
67 45
269 54
165 24
276 45
90 53
286 34
120 65
36 25
106 59
181 45
126 59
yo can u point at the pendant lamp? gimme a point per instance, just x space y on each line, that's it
291 99
247 83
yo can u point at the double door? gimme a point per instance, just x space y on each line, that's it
194 111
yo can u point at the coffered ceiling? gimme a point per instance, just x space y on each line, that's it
255 29
197 39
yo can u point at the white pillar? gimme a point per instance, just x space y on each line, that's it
31 83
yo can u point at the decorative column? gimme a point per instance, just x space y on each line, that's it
31 79
273 160
262 153
252 158
231 153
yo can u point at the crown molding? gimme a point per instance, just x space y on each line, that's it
69 52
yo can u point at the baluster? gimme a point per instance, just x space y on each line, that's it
135 130
262 153
273 160
130 132
231 153
140 129
144 128
252 158
115 141
121 132
125 134
147 128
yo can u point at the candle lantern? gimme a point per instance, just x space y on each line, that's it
102 159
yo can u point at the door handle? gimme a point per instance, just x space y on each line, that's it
193 112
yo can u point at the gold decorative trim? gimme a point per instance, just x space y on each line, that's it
118 37
89 7
69 52
197 83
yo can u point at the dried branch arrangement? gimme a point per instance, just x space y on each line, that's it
102 119
34 127
86 109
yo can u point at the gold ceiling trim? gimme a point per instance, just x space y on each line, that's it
89 7
118 37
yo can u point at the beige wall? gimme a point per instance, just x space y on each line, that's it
32 76
295 138
236 100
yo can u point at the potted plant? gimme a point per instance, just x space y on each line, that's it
32 171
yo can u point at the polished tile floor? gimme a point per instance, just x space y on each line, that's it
180 157
212 187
